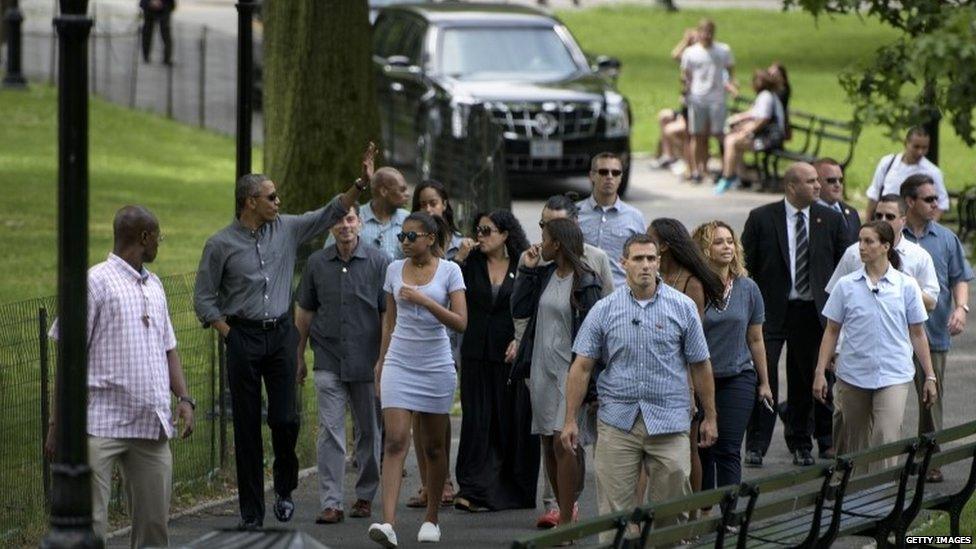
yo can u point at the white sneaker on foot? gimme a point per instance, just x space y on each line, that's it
429 533
383 534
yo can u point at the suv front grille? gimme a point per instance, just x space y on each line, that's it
579 163
548 120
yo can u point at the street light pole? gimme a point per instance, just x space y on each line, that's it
71 504
13 19
245 83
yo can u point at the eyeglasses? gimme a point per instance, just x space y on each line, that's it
486 230
833 180
412 236
929 199
270 197
605 172
878 216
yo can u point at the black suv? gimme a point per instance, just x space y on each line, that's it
555 106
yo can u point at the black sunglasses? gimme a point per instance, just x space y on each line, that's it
878 216
605 172
271 197
485 230
412 236
929 199
834 180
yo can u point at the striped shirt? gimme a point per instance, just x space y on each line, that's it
129 333
646 350
608 228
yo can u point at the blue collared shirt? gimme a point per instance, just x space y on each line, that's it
951 267
608 229
646 350
379 235
876 350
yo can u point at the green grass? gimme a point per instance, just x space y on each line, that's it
182 174
939 526
813 52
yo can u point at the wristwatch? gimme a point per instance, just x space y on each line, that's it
933 379
360 184
965 308
188 400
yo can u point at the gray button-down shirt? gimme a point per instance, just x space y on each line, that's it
951 268
347 299
247 273
608 229
646 350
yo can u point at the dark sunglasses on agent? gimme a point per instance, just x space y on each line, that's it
929 199
878 216
605 172
412 236
833 180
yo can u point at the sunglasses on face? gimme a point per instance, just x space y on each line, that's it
929 199
412 236
605 172
270 197
833 180
878 216
485 230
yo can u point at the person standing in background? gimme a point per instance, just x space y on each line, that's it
157 12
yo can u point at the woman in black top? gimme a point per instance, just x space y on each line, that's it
498 459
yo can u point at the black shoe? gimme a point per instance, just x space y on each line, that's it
284 508
753 458
249 525
803 458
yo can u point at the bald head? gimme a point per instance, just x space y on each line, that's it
390 186
802 184
130 222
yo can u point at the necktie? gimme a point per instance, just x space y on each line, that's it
802 277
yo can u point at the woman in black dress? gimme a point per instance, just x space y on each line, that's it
498 459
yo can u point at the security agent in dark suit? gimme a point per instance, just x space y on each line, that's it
792 247
832 195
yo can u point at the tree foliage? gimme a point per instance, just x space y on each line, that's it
319 99
929 71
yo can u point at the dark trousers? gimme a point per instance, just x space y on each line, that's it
150 18
254 354
735 397
802 333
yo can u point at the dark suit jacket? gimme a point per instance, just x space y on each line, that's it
490 328
851 222
764 240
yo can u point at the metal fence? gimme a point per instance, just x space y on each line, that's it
199 88
27 359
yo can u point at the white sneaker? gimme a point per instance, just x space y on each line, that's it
679 167
383 534
429 533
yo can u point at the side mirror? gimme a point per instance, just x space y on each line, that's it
400 65
608 67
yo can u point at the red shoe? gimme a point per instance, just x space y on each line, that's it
549 519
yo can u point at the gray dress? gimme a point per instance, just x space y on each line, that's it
418 370
551 356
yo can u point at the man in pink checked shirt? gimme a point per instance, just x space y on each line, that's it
132 366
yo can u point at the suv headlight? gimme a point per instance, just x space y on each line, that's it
616 116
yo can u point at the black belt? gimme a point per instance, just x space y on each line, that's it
267 324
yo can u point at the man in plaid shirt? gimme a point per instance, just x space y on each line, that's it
132 367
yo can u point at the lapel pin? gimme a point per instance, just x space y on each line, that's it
847 211
511 275
818 220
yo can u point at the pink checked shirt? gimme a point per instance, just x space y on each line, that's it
129 333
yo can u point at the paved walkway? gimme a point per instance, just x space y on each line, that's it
657 194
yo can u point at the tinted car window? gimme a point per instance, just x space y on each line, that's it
381 35
525 53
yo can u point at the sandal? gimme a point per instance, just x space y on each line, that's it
447 496
418 501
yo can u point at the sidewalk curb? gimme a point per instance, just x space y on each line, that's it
304 473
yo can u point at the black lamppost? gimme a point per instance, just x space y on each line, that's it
12 20
71 505
245 83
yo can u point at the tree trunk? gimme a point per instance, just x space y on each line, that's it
319 99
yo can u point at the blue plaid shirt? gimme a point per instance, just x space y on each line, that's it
646 350
608 229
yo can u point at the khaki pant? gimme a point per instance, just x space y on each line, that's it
864 418
930 419
147 472
621 454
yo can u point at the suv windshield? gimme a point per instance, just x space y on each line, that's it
525 53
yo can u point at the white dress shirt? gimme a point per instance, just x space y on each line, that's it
791 212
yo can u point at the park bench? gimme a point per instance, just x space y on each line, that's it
965 214
953 503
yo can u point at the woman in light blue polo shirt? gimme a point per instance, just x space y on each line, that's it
879 310
733 329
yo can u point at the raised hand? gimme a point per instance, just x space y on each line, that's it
465 248
532 256
369 158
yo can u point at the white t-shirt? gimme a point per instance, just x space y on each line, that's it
707 68
915 262
768 106
890 183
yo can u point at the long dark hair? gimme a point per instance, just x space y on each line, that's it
432 225
570 238
887 236
516 243
442 192
686 253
